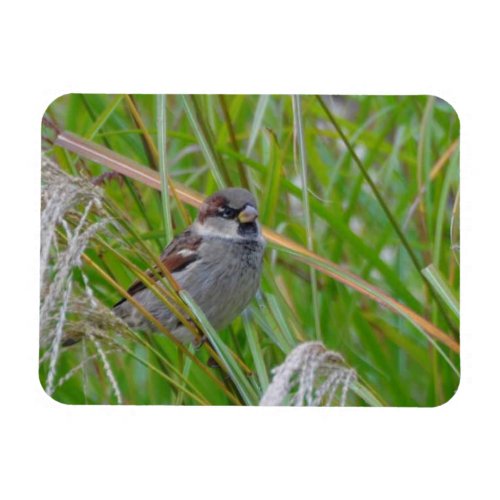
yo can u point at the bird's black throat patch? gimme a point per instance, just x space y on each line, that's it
247 229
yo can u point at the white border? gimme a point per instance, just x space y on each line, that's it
55 451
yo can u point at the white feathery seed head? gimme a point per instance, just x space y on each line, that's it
311 375
66 309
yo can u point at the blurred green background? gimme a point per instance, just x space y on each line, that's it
370 183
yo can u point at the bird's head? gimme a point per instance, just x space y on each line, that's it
231 212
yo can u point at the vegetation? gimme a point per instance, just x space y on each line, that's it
359 197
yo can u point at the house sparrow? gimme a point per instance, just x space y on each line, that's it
217 260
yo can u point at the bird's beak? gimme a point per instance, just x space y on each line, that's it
248 214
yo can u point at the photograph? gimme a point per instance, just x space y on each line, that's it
250 250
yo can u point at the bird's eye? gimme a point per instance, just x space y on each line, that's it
228 212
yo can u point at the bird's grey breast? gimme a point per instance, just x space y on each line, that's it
226 277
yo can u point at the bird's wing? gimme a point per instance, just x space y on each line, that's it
182 251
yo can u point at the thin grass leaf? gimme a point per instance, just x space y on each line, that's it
441 210
181 387
245 389
146 138
455 229
185 374
153 154
257 122
423 146
300 153
182 378
203 141
278 315
365 394
371 140
435 171
161 122
437 280
257 354
103 117
234 142
268 324
272 183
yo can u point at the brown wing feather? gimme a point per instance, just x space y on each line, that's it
171 259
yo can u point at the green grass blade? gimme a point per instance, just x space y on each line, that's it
300 152
245 388
161 122
441 217
284 329
438 282
103 117
257 354
257 122
180 386
455 229
203 141
185 374
234 142
365 394
273 181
